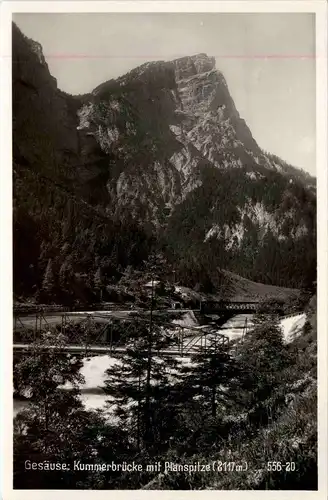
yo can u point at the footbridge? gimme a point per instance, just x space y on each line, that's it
233 307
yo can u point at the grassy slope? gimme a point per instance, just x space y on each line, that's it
243 289
236 288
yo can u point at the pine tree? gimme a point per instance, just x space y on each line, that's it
48 283
56 427
65 275
138 396
98 284
142 383
263 357
209 375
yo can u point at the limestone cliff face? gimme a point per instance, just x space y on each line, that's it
46 138
163 145
42 114
165 123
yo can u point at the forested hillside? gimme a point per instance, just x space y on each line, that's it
158 159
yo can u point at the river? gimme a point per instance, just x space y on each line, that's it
94 368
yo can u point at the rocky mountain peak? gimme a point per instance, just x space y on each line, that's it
164 147
165 121
189 66
148 77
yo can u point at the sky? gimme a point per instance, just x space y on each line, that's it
267 59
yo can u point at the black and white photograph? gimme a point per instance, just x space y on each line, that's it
164 246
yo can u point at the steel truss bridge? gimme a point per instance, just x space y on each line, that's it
187 340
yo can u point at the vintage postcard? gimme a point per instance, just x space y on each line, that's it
164 173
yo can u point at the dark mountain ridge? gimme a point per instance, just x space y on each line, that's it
158 158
